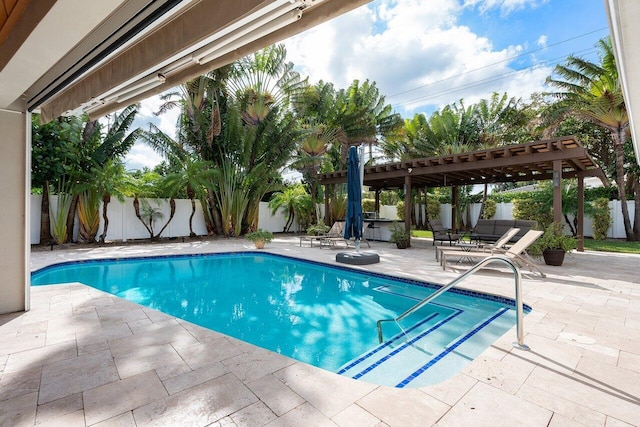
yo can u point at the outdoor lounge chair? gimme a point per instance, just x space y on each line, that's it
498 245
335 242
515 253
336 230
442 234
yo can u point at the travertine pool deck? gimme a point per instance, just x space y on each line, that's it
83 357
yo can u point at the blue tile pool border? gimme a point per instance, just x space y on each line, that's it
489 297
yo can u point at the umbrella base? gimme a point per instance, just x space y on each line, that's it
357 258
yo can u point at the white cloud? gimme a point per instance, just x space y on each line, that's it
415 51
166 122
142 155
505 6
542 41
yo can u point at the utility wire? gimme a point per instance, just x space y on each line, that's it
498 62
481 82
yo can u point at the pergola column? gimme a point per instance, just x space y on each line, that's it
376 206
580 213
557 191
454 208
327 213
407 205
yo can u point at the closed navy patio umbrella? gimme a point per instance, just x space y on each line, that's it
353 220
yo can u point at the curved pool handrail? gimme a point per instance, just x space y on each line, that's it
518 291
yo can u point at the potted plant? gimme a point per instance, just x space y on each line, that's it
260 237
553 244
400 236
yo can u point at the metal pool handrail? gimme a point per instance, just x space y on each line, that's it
518 291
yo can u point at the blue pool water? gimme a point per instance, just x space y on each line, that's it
322 315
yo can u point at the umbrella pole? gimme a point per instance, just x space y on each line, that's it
357 245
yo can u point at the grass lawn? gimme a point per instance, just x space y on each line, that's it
621 246
612 246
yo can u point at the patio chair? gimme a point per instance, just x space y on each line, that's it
442 234
515 253
335 242
497 245
335 231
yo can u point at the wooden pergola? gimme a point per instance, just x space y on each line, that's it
553 159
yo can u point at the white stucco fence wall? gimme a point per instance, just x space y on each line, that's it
123 224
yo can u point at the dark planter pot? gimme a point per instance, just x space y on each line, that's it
402 245
553 256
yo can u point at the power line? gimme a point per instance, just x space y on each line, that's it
482 81
498 62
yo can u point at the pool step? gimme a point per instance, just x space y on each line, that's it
408 360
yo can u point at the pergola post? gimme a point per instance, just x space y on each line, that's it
376 206
454 208
327 213
557 191
407 205
580 213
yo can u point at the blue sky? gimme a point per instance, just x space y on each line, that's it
425 54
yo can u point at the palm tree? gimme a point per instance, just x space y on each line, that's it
193 176
292 200
361 112
93 150
110 180
592 92
316 139
202 103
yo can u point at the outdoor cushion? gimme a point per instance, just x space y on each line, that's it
490 230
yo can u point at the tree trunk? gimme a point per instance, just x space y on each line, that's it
420 221
136 208
314 194
193 212
572 225
172 205
191 194
484 200
71 219
215 214
287 226
45 222
618 138
106 198
636 198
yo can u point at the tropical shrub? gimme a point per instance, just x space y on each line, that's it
59 217
338 206
318 229
388 198
368 205
490 207
433 208
88 216
529 209
601 218
400 209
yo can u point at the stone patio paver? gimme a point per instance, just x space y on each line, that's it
83 357
105 401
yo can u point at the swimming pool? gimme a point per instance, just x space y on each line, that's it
319 314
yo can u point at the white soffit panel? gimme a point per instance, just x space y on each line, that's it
66 24
625 34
